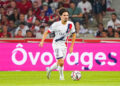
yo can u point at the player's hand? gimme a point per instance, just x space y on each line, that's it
41 44
71 49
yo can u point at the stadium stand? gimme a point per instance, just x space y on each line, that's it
36 13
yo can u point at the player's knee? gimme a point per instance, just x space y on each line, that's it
61 64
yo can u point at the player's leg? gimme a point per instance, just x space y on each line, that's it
59 54
49 69
55 65
60 68
61 62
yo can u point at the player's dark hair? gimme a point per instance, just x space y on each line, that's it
62 10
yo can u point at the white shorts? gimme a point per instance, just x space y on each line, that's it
60 51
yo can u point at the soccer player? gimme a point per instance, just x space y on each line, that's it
62 29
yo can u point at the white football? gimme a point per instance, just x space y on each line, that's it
76 75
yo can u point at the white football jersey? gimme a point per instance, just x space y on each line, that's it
62 32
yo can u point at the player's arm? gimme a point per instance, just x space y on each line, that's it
73 41
43 38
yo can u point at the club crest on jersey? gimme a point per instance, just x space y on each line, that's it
69 28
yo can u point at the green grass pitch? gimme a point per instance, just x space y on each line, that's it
38 78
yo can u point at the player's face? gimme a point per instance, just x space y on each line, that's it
65 16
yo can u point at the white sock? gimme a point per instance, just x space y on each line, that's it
61 72
54 66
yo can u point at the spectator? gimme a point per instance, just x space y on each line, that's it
18 0
38 1
54 4
2 12
80 29
43 19
30 18
40 34
12 27
21 19
92 2
60 5
75 13
36 9
104 7
66 3
76 1
118 29
36 27
23 28
48 1
100 30
116 34
110 31
63 4
97 10
19 34
1 3
0 27
85 6
5 33
10 10
54 17
86 10
6 3
77 28
114 22
104 34
4 20
14 16
29 34
109 6
24 5
47 9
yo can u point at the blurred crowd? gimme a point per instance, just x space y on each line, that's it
31 18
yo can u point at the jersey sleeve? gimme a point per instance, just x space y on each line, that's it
52 28
73 29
